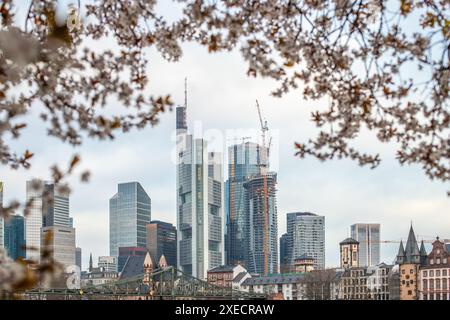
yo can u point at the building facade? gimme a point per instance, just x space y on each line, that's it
349 250
288 286
227 276
129 214
261 204
410 258
304 264
434 277
243 162
284 254
49 207
14 237
61 244
78 257
108 263
200 216
126 252
56 211
366 283
368 236
98 276
306 235
162 240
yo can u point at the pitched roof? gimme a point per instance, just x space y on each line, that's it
239 277
401 250
423 252
133 267
275 279
305 257
223 268
412 248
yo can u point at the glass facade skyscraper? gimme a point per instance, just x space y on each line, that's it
162 240
243 162
200 224
306 235
368 235
129 214
15 237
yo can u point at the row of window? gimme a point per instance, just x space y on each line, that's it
437 296
435 284
432 273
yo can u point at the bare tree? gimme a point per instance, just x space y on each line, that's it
319 284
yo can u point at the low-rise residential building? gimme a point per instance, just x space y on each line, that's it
291 286
227 276
108 263
98 276
434 275
366 283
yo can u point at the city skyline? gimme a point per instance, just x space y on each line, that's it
387 195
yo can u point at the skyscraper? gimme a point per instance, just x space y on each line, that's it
56 212
126 252
129 214
284 255
78 257
243 162
15 237
368 236
49 207
199 203
306 235
61 244
261 205
162 240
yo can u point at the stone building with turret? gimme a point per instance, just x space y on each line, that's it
410 258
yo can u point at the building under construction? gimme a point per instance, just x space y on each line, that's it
260 194
243 162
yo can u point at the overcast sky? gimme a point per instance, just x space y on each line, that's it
221 97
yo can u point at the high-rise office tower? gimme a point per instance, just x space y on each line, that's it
200 223
129 214
261 205
15 237
368 236
2 223
126 252
49 207
306 235
284 263
61 244
243 162
162 240
78 257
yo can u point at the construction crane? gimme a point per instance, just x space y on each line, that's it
398 241
263 166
